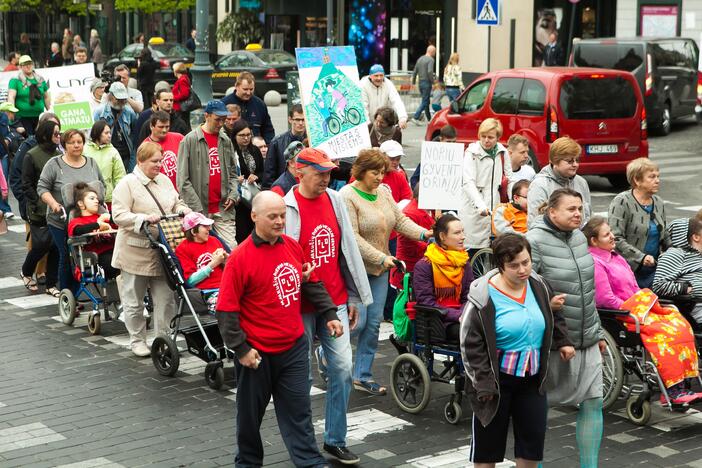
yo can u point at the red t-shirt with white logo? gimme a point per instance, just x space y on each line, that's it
263 284
215 191
195 255
169 146
320 238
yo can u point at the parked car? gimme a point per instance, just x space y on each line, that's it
268 67
165 53
602 109
665 69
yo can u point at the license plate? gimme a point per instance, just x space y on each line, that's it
602 149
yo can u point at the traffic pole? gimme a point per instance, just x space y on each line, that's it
202 69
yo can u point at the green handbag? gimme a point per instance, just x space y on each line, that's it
400 321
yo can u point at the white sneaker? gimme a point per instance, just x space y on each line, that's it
9 215
140 349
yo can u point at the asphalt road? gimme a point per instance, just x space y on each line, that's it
73 400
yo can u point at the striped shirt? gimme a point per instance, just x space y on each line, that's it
519 329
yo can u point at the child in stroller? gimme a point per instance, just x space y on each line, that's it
202 257
87 219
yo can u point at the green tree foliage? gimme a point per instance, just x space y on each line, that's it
153 6
240 28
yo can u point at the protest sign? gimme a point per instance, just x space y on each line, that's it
441 177
70 83
74 115
331 98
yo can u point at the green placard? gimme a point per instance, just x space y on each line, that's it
74 115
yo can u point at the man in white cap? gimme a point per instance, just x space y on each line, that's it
121 119
378 91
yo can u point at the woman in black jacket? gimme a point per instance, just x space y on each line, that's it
507 331
250 172
48 135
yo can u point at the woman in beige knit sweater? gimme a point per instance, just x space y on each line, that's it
374 215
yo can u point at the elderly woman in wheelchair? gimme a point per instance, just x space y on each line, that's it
665 334
202 257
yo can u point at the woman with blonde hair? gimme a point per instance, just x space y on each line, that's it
638 220
485 163
453 77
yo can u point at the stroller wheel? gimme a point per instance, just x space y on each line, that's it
453 412
94 323
67 306
638 412
410 383
214 375
165 356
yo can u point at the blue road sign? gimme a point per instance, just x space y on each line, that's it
488 13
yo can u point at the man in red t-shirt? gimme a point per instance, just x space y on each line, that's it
317 218
160 124
259 315
207 172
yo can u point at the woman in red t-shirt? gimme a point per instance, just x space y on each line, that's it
201 256
87 220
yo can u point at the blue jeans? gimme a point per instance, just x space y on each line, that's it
425 91
337 353
5 205
368 327
453 92
65 277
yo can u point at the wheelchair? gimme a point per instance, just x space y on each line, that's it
626 357
418 365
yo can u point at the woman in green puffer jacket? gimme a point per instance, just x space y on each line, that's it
560 255
107 157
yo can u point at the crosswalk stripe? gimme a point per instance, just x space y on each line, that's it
361 424
676 160
453 457
669 154
680 169
689 208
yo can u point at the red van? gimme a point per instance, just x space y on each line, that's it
602 109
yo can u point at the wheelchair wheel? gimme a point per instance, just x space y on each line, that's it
453 412
612 372
638 413
94 323
410 383
164 355
214 375
67 306
482 262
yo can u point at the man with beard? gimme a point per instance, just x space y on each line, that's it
121 119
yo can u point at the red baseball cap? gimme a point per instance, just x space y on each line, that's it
315 158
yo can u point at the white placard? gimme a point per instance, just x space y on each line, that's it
70 83
441 176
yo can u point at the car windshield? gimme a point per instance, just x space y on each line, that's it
170 49
276 57
626 57
597 98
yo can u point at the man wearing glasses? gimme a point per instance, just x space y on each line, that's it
207 172
564 158
275 161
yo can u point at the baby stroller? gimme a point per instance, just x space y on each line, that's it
201 333
94 286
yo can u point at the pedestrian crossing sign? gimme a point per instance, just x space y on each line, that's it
488 12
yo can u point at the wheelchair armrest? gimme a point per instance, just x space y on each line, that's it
427 310
76 241
613 312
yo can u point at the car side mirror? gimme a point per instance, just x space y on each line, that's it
454 107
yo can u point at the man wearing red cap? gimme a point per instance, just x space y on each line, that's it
259 318
317 218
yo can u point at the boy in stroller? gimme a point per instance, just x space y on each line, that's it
87 219
202 257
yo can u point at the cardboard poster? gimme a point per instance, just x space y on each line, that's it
441 177
331 99
70 83
74 115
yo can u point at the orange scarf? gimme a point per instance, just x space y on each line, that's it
447 267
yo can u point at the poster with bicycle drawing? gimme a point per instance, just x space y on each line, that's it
331 99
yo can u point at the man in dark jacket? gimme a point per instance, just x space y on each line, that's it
553 52
253 109
164 103
275 160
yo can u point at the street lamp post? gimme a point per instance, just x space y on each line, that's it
202 69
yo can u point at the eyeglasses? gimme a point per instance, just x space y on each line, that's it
244 135
572 162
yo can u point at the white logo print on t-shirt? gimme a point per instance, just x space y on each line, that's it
322 245
214 161
169 164
286 281
203 260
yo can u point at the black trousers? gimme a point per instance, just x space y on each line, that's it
284 376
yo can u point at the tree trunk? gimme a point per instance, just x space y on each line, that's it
42 40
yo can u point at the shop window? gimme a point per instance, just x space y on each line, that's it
474 99
532 100
505 97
